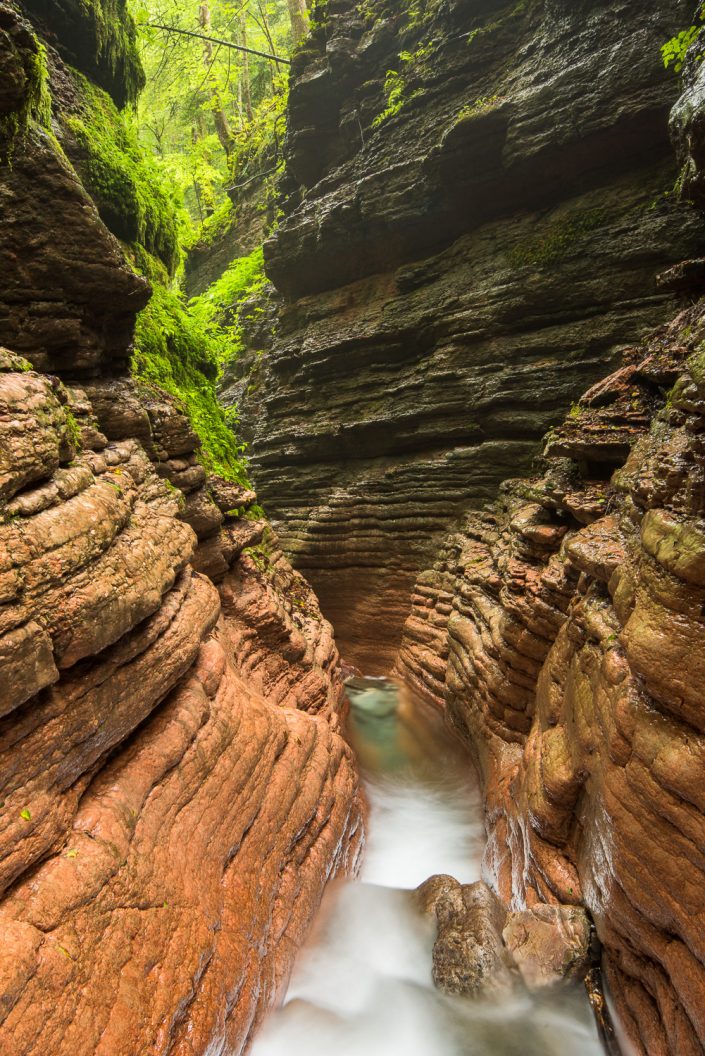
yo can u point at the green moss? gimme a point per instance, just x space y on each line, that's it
36 105
481 106
176 493
99 37
116 47
224 308
132 193
176 353
558 241
72 431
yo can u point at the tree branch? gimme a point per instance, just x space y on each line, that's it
215 40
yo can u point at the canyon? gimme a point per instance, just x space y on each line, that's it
473 390
175 787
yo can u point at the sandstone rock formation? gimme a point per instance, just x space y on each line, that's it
563 632
174 788
452 273
484 949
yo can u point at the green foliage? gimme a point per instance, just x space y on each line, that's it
420 12
132 192
174 352
675 50
72 431
212 114
396 87
212 228
318 18
257 140
36 105
218 310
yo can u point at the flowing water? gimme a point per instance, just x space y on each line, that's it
362 986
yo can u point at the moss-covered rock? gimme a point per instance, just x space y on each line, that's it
132 194
176 352
98 37
23 87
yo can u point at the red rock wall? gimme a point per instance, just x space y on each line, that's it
174 789
563 631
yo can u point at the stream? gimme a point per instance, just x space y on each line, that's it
362 985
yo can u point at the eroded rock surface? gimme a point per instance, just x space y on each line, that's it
174 789
483 949
563 632
451 277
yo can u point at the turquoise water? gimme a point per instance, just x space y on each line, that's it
362 986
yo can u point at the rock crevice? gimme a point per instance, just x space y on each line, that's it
452 274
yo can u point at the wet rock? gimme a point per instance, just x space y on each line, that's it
201 513
229 496
452 278
174 788
469 956
481 948
70 305
33 431
173 776
549 944
571 663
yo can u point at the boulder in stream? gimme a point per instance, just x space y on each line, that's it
481 948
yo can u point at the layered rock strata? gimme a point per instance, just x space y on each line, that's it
174 788
563 631
457 261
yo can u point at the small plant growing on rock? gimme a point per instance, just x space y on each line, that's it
675 50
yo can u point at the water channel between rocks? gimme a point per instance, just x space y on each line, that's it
362 985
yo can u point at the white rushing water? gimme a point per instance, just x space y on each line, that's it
362 986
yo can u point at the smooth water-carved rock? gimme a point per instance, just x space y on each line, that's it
174 788
469 956
482 949
571 623
548 943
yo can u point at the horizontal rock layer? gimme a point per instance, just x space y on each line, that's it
174 788
175 791
452 277
563 631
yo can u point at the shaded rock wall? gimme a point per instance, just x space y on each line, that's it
452 278
174 788
563 631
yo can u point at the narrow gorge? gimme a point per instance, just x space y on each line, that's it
352 527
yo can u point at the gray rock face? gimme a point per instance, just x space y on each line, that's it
688 127
454 276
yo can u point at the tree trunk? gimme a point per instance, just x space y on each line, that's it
298 13
220 120
246 91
